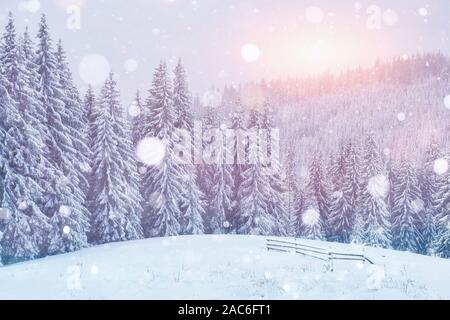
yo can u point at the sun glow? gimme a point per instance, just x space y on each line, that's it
314 55
308 51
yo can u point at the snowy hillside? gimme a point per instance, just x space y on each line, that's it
223 267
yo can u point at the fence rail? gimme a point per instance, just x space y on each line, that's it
314 252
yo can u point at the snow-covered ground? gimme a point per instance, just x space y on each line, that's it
223 267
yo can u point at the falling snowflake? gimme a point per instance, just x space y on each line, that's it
314 15
440 166
250 52
226 224
156 32
32 6
378 186
66 229
151 151
447 102
94 69
423 12
130 65
387 152
401 116
390 17
338 194
85 167
4 214
134 110
376 276
142 170
417 205
94 269
310 217
286 287
64 211
360 265
23 205
212 98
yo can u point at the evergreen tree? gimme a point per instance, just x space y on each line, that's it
161 185
192 209
318 190
269 156
220 204
59 97
431 184
294 196
25 165
78 122
113 219
9 56
26 229
408 211
255 200
237 165
16 244
182 99
373 214
442 203
346 190
136 113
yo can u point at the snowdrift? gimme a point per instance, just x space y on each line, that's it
224 267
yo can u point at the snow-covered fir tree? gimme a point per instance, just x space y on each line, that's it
78 122
62 142
372 225
431 183
346 190
161 184
24 148
114 217
442 205
408 211
270 157
25 231
236 147
318 189
294 195
135 113
256 216
220 196
182 99
193 206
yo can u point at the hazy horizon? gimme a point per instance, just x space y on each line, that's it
226 42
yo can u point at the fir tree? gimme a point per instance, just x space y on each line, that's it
192 209
136 112
408 211
16 244
318 190
62 140
372 225
161 185
294 196
255 200
182 99
220 195
25 232
113 219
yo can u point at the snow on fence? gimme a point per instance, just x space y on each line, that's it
314 252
